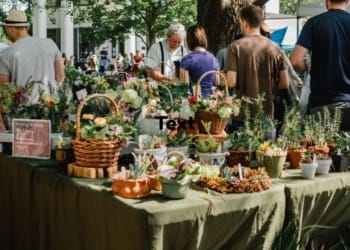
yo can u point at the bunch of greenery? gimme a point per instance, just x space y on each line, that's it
208 144
322 127
16 102
292 129
179 139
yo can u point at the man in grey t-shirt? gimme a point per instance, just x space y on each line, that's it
29 58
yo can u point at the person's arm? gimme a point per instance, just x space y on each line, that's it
156 75
231 77
298 58
184 76
284 81
59 70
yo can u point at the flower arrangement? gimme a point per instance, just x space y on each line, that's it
218 103
105 128
17 102
179 168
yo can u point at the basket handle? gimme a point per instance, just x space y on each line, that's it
218 74
83 102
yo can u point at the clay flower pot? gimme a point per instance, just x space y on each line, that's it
294 156
132 188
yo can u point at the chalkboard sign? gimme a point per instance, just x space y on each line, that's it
31 138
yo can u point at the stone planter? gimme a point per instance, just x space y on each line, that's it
174 189
308 170
324 166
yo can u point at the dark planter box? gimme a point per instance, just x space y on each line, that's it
340 163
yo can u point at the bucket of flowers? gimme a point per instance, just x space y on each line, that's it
216 108
176 174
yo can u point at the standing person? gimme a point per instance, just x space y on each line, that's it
327 38
3 46
254 64
29 58
199 61
164 56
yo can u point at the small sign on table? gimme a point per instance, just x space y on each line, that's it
31 138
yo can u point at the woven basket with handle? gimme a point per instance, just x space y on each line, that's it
95 153
218 124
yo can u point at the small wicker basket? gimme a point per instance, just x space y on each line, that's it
95 153
218 124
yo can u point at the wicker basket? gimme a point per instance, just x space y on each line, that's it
95 153
218 124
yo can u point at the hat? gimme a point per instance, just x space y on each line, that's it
16 18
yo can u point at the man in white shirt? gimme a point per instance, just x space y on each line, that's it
29 58
163 59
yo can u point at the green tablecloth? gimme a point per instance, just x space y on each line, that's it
41 208
323 201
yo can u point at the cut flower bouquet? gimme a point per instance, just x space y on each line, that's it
218 103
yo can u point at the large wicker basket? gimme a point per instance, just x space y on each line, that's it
218 124
95 153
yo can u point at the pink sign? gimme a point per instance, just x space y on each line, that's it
31 138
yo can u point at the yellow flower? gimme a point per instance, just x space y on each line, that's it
265 146
88 117
100 122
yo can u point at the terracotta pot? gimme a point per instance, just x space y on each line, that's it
64 156
156 184
294 157
320 149
132 188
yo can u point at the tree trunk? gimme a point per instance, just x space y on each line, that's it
220 19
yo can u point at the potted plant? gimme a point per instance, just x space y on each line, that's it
64 153
292 135
178 141
176 174
308 164
133 183
324 164
151 145
341 154
209 149
274 158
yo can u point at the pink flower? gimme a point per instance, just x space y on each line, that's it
228 101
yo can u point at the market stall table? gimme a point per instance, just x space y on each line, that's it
43 208
323 201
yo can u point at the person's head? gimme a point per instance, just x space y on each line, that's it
196 37
251 17
265 30
336 4
16 25
175 35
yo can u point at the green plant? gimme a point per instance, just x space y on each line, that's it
308 156
179 139
342 141
178 168
207 144
292 133
290 238
322 127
